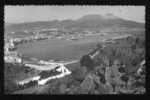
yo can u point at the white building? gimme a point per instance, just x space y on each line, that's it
12 59
64 71
141 68
11 43
36 78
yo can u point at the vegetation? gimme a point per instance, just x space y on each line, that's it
120 54
14 72
126 53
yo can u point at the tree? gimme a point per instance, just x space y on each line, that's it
87 62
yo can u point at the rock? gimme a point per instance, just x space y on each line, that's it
113 76
62 88
117 62
109 89
96 92
124 78
122 70
115 71
80 74
100 72
102 89
87 85
106 61
100 69
87 62
73 90
108 75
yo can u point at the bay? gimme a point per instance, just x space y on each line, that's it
57 49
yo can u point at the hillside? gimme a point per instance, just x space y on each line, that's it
128 52
87 22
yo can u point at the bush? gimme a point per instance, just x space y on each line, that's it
87 62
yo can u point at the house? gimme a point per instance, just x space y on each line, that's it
12 59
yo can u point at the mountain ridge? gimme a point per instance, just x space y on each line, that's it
93 21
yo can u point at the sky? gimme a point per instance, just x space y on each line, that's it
19 14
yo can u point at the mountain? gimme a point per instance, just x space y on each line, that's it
30 25
87 22
98 17
105 21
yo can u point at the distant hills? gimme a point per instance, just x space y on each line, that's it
87 22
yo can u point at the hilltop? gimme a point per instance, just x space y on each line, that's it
88 22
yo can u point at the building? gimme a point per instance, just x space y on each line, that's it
28 80
11 43
61 68
41 66
12 59
141 69
45 76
